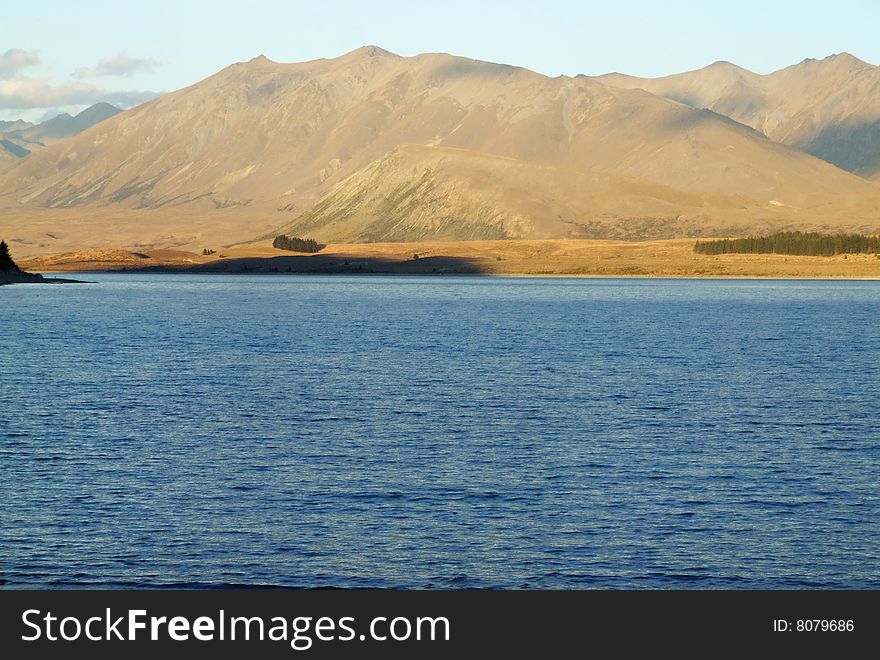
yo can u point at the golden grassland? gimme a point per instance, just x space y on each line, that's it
564 257
33 232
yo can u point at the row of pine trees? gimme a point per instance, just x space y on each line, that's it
794 243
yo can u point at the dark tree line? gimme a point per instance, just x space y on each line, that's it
793 242
295 244
6 262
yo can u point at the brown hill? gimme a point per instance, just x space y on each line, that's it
269 140
829 108
419 193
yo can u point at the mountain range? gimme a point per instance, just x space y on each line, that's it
371 146
829 108
20 138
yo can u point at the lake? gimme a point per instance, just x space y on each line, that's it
439 432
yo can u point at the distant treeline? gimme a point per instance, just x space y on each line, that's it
793 242
295 244
6 262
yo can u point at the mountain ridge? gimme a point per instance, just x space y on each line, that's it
357 96
829 108
28 137
269 140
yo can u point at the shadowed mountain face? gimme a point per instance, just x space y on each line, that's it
15 149
64 125
496 151
829 108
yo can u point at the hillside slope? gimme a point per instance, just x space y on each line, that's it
419 193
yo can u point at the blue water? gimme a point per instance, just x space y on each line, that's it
184 430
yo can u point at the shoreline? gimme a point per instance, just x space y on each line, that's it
572 258
497 276
8 279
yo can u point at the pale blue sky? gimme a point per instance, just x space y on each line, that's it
171 44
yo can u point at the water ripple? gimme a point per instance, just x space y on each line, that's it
230 431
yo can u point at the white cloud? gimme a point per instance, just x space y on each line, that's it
28 95
24 94
121 65
39 93
15 59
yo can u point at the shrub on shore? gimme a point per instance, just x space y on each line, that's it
794 243
296 244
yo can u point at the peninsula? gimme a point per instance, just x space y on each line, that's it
10 273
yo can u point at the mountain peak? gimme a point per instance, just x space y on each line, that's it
844 56
728 67
849 60
841 60
60 118
101 106
260 59
95 113
368 51
611 74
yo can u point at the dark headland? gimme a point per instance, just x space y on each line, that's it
10 273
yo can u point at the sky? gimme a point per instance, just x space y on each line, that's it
63 55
